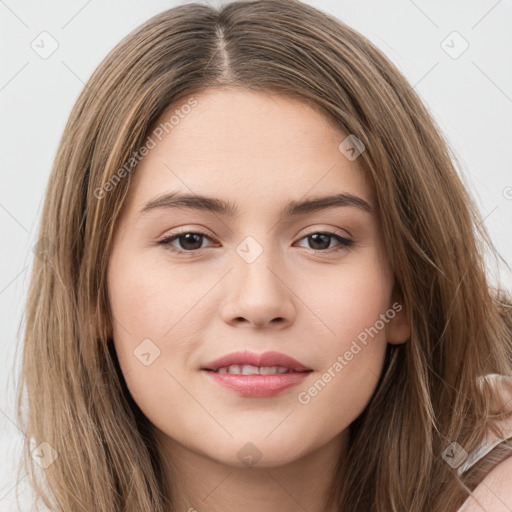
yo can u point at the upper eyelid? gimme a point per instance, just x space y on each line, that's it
328 232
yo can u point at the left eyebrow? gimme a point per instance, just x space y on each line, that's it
227 208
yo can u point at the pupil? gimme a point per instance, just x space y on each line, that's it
314 238
189 239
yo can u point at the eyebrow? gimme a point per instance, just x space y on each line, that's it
227 208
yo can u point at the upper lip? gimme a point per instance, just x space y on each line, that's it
252 358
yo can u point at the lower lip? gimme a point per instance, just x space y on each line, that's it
258 385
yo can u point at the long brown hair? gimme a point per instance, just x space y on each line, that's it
428 395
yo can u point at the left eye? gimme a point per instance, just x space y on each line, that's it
191 241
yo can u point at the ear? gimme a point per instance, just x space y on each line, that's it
398 329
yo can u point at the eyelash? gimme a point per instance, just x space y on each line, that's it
345 243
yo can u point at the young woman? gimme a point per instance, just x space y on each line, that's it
266 287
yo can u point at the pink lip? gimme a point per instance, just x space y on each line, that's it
257 385
254 359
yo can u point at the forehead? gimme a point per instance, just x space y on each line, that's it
246 146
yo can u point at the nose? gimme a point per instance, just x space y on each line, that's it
260 295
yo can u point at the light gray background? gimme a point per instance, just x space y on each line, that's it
469 96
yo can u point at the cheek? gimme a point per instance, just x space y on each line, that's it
148 301
147 309
342 389
354 309
157 324
351 298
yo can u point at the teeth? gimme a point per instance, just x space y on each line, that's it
253 370
249 370
267 370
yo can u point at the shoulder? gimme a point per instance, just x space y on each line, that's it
494 492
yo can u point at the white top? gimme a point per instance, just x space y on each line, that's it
503 385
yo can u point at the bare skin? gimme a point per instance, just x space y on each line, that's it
307 297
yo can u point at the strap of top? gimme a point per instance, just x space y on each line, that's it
503 385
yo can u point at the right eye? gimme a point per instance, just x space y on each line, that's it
320 237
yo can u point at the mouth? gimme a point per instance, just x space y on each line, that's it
247 369
252 363
257 375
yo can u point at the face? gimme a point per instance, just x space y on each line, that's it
253 269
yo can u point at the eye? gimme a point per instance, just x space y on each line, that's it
321 240
192 241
